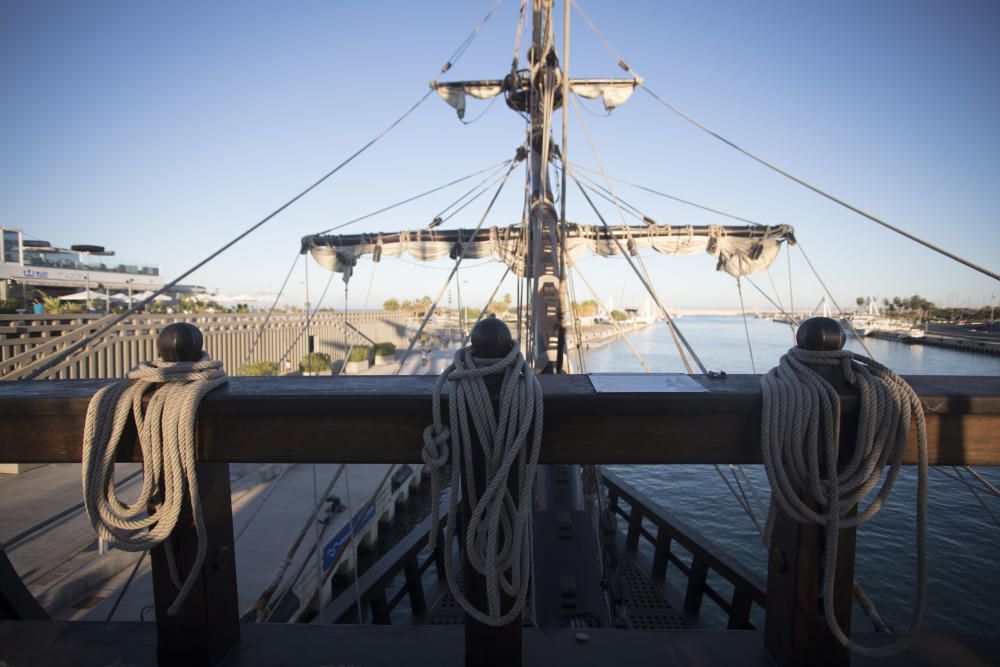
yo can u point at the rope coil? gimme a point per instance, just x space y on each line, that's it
801 414
166 432
497 539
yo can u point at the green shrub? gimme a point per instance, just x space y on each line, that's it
316 362
9 306
359 353
259 368
618 316
384 349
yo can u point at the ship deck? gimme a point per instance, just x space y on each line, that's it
66 644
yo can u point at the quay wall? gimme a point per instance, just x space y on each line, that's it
960 343
27 341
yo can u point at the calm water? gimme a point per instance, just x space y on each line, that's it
963 542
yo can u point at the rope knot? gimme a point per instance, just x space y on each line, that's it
435 449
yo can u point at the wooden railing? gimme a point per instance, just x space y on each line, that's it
404 558
380 419
403 569
748 588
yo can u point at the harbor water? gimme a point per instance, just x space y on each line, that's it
963 539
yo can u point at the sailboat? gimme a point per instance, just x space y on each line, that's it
586 573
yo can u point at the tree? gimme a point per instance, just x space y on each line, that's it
860 301
587 308
391 305
618 315
259 368
500 307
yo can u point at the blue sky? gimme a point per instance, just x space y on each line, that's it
163 129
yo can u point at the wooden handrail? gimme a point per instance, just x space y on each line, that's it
380 420
689 538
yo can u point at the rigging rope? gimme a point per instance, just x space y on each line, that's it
617 328
641 83
481 113
741 497
166 433
975 493
493 168
674 331
270 311
56 358
460 51
517 35
644 274
489 302
800 422
483 186
746 326
686 202
454 269
497 540
308 322
927 244
843 315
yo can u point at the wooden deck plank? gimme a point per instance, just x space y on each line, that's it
380 420
58 644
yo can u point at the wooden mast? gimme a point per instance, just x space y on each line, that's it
544 248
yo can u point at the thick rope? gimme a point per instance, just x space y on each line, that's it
498 538
801 414
166 430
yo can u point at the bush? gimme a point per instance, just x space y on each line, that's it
316 362
618 316
384 349
359 353
9 306
258 369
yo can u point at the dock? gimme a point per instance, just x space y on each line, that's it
74 577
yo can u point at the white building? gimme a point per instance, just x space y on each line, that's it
29 265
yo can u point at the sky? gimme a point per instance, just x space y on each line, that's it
163 130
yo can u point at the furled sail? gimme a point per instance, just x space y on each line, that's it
739 250
454 93
613 92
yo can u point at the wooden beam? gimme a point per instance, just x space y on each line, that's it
380 419
207 625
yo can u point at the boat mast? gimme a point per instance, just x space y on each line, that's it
544 246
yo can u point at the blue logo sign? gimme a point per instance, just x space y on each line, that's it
334 547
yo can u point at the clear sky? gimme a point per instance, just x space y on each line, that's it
161 130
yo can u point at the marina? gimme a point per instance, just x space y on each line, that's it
630 450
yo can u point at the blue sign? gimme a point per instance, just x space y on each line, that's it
334 547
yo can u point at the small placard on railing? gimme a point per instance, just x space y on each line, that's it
644 383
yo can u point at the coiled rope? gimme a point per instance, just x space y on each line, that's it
166 430
801 414
498 536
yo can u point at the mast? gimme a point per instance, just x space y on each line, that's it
544 245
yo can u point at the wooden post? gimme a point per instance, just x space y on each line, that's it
795 630
207 625
485 645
